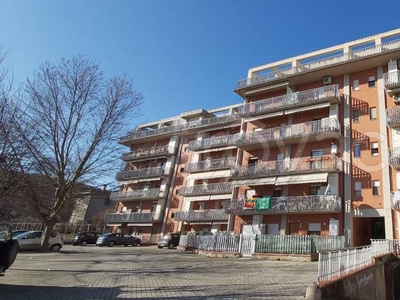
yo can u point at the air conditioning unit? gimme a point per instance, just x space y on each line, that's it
327 80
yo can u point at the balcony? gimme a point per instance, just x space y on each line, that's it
394 158
290 204
395 195
320 64
300 165
291 134
393 117
152 152
323 94
214 142
142 173
210 165
130 218
206 189
209 215
136 195
193 125
392 82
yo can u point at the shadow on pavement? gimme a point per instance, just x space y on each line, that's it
17 292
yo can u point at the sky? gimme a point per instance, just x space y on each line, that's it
182 55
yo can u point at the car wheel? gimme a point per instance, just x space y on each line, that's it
8 253
171 246
126 245
135 244
111 244
160 247
55 248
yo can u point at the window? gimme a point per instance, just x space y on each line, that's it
315 190
182 170
186 149
371 81
372 113
374 149
356 115
357 189
277 193
356 85
376 188
200 206
357 150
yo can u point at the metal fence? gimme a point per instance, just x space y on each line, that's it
333 264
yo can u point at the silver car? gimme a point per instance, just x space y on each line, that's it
32 240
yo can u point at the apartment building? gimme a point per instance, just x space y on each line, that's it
312 148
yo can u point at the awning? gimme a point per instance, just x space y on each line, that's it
209 174
140 224
209 197
114 224
258 181
304 108
130 181
300 179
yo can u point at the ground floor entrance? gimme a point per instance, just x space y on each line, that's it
365 229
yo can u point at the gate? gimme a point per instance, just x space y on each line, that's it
247 244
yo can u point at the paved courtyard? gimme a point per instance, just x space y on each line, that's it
150 273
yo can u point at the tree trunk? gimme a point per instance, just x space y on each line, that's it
47 233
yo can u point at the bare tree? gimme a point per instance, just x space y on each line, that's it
78 116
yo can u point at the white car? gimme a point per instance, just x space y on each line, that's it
31 240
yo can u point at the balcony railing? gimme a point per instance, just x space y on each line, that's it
136 194
129 218
302 98
181 127
326 125
393 117
325 163
142 173
291 204
392 80
206 189
148 152
395 195
394 157
321 63
209 165
214 142
202 215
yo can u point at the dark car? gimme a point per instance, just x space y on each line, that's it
8 247
111 239
86 237
170 240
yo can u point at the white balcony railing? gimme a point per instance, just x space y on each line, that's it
201 215
302 98
129 218
321 63
391 80
142 173
135 194
212 164
325 163
146 152
206 189
393 116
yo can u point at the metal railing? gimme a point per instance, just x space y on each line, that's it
393 116
206 189
142 173
136 217
395 196
394 157
321 63
181 127
333 264
146 152
290 100
208 165
290 204
135 194
391 79
326 125
323 163
214 142
202 215
220 242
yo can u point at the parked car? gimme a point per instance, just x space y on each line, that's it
16 232
86 237
8 247
170 240
111 239
32 240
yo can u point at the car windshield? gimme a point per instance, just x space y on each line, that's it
20 235
165 237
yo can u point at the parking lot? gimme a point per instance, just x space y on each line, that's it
150 273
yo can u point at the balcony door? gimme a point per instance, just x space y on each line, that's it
279 162
316 159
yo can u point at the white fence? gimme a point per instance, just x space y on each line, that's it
333 264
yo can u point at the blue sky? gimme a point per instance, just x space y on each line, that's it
182 55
